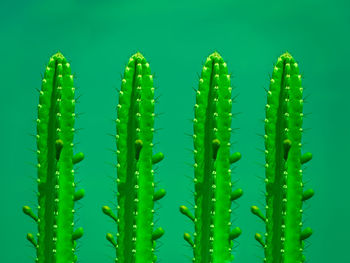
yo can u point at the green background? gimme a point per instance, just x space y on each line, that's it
98 37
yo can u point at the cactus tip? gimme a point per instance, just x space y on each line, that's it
216 54
138 54
287 54
59 55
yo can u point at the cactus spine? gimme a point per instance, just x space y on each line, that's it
136 195
56 189
284 187
213 238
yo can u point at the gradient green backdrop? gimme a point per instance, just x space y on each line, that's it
98 37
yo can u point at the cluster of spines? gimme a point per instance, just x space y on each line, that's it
56 241
284 240
136 194
213 238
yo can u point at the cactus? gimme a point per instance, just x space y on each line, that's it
56 240
284 239
213 238
136 195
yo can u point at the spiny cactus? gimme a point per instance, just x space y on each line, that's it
56 240
283 240
136 195
213 236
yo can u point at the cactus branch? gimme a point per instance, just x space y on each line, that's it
28 211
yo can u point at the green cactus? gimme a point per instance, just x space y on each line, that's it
283 240
135 176
56 240
213 237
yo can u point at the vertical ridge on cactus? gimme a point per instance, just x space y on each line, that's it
135 177
56 187
213 238
284 187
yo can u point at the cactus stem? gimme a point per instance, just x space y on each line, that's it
284 186
184 210
159 194
28 211
212 174
189 240
256 211
55 170
108 211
